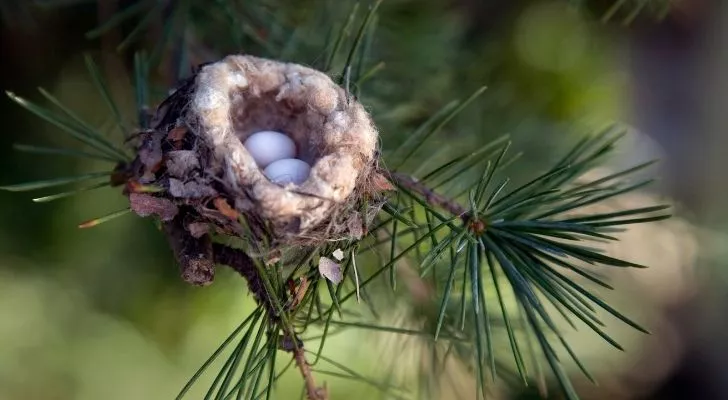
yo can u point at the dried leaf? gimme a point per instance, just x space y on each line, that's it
189 190
181 162
356 226
330 270
298 291
145 205
222 205
150 151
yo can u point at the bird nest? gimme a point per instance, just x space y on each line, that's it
193 170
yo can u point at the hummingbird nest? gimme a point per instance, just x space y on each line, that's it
193 172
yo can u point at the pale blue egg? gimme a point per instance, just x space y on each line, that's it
269 146
289 170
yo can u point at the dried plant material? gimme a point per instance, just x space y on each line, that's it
177 134
330 270
380 183
145 205
223 206
356 226
150 155
194 255
180 163
298 291
198 229
190 190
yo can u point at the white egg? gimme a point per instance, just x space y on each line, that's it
269 146
289 170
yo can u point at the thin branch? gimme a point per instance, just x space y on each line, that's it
430 195
313 392
193 255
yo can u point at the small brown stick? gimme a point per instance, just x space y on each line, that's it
313 392
430 195
193 255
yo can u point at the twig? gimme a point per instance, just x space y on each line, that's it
430 195
313 392
193 255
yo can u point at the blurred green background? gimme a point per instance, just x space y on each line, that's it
101 313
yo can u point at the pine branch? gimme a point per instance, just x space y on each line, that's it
313 391
430 196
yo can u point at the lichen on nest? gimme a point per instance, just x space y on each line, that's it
195 158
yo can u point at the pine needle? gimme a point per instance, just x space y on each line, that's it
63 195
98 221
105 93
26 148
28 186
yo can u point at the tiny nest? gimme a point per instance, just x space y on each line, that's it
192 166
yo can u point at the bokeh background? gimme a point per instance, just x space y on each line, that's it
101 313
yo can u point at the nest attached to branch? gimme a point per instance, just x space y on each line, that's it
193 172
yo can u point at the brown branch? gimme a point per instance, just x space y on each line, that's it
313 392
430 196
193 255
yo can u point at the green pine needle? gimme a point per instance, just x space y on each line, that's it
526 237
105 93
343 33
214 356
63 195
26 148
359 38
74 126
49 183
416 140
119 17
106 218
